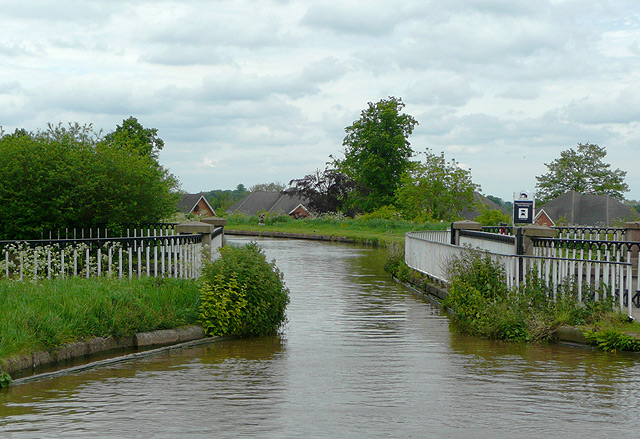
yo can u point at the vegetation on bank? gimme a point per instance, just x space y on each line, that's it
41 316
80 178
378 229
242 294
482 305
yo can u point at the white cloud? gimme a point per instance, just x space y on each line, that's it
249 92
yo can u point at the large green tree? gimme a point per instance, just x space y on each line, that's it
132 137
377 153
582 170
70 177
435 190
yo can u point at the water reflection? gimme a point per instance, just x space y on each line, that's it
360 357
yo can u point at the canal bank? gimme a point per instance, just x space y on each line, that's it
274 234
39 365
360 357
436 292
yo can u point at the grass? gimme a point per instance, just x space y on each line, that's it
44 315
363 230
481 305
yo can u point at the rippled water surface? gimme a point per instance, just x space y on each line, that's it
361 356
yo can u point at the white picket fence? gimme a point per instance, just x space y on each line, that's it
594 269
170 255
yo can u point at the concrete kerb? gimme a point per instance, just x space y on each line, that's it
170 339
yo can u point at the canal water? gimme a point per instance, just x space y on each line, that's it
360 357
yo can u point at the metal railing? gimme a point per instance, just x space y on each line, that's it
170 255
594 269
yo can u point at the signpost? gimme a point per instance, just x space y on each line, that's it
523 208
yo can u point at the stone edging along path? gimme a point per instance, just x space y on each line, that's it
152 343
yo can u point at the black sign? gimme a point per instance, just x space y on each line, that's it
523 211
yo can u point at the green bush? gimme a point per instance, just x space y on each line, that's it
482 305
222 307
245 295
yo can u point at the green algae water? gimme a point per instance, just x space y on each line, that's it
360 357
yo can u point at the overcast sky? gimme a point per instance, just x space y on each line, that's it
261 91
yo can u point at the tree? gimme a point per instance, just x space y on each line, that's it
131 136
581 170
327 191
377 153
70 177
221 199
275 186
435 190
492 217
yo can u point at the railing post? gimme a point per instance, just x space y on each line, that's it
217 237
534 231
201 228
462 225
632 234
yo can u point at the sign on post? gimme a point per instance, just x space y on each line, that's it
523 208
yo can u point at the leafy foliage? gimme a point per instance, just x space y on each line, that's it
327 191
221 200
482 305
69 177
377 153
135 139
5 380
435 189
275 186
492 217
611 340
245 291
581 170
223 304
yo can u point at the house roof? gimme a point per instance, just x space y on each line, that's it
478 198
188 201
268 201
588 210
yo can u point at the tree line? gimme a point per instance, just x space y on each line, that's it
378 172
73 176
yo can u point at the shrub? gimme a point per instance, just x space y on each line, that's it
245 292
482 305
395 264
223 303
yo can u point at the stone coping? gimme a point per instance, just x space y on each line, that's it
85 348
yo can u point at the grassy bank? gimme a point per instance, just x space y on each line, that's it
483 306
44 315
240 294
364 230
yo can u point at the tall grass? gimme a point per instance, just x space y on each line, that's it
44 315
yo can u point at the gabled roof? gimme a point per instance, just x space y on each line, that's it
188 202
542 215
268 201
588 210
478 198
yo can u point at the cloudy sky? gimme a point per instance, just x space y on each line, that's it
249 91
